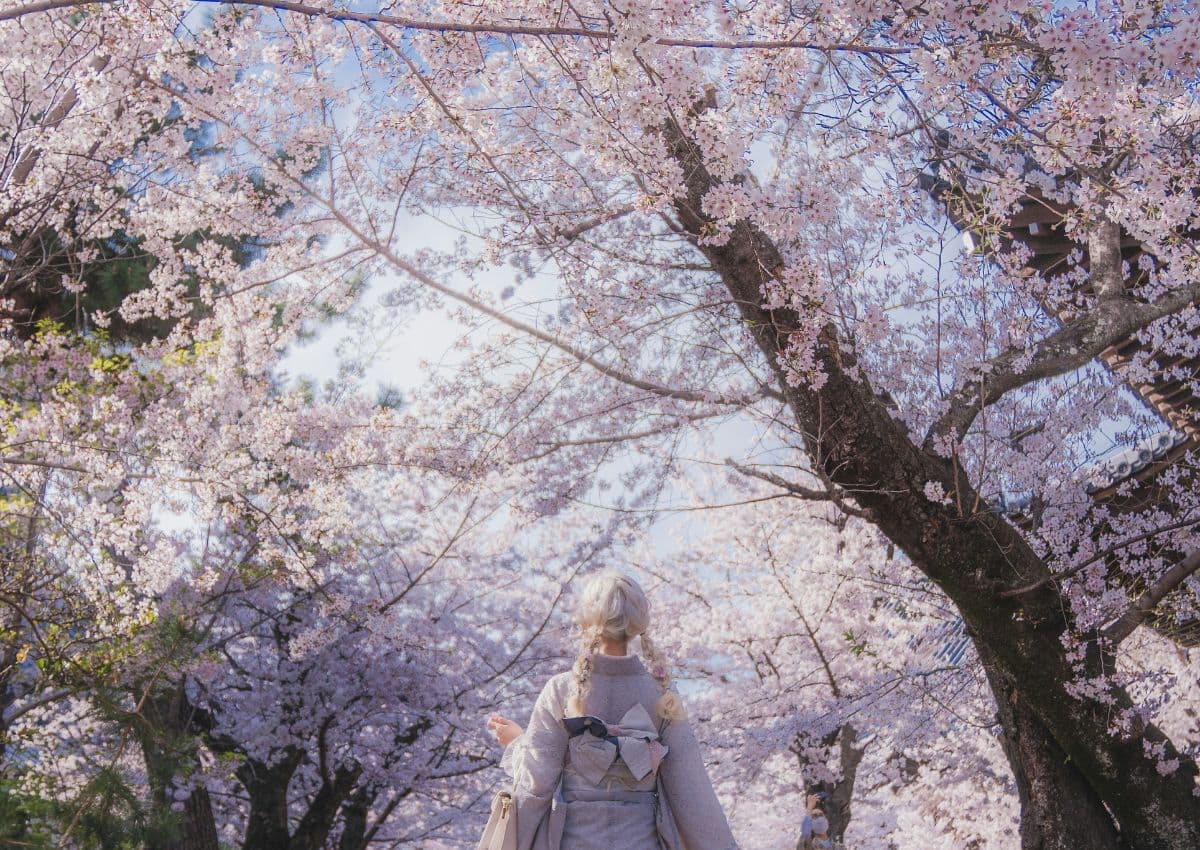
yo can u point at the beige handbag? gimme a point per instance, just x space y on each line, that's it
501 830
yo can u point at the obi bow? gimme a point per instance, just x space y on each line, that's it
594 744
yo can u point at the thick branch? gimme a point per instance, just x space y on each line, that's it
970 551
488 27
1141 608
60 110
580 228
1114 318
1104 261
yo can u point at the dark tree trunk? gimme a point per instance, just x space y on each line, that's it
267 826
969 551
267 786
839 794
354 819
167 745
8 693
1059 809
322 812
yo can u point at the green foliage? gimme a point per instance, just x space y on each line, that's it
106 814
109 815
858 646
25 820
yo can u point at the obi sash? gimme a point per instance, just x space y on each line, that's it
594 745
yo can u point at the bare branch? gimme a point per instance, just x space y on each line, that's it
1113 319
1136 613
833 494
529 330
555 445
490 27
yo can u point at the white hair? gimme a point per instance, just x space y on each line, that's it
614 604
613 607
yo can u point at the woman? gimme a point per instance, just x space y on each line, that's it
609 760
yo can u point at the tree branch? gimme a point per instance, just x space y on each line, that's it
487 27
833 494
400 263
1104 261
1141 608
1067 573
1114 318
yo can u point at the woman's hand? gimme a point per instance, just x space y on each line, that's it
814 805
505 730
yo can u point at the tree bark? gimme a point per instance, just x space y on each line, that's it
267 827
314 827
354 819
839 794
1059 809
969 551
9 648
167 744
267 785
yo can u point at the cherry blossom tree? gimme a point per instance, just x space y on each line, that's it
314 614
177 523
828 666
718 227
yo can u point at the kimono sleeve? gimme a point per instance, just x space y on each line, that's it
534 760
697 812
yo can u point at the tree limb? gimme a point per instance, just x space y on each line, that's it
1073 345
1067 573
1104 261
1141 608
402 264
833 494
487 27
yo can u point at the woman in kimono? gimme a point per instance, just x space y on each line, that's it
609 760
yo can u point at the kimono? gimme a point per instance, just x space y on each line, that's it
641 786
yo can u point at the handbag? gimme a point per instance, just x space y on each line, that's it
501 830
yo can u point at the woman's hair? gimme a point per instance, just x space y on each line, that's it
614 607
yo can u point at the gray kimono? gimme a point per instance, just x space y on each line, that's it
637 792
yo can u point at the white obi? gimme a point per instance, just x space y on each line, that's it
637 745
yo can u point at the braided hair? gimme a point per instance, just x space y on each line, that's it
614 607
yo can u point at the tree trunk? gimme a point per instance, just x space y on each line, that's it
267 786
839 794
354 819
314 827
9 647
969 551
1059 809
167 745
